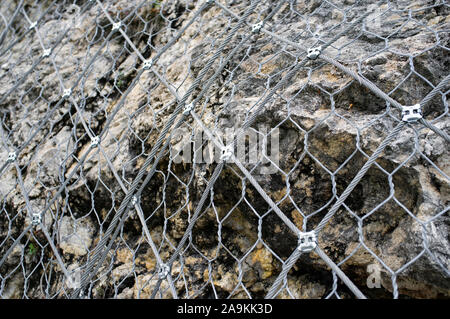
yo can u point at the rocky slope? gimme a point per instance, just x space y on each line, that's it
328 126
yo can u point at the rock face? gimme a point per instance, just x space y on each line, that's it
75 238
325 125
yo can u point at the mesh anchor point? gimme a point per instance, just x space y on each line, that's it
188 108
95 141
307 241
210 1
257 27
67 93
11 157
33 25
134 200
163 271
147 64
46 53
116 26
411 113
36 219
313 53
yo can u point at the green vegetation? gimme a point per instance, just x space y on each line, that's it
31 249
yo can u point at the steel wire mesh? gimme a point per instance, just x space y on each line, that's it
224 149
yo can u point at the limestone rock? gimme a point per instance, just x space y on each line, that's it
75 236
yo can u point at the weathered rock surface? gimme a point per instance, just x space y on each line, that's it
328 125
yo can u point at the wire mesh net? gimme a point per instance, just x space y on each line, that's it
224 149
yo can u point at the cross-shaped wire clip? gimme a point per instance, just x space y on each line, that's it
134 201
116 26
163 271
46 53
11 157
67 93
95 141
188 108
411 113
33 25
313 53
147 64
36 219
257 27
307 241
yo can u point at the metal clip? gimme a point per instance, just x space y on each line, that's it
95 141
147 64
133 201
411 113
227 152
11 157
188 108
33 25
163 271
46 53
116 26
210 1
67 93
257 27
313 53
307 241
36 219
